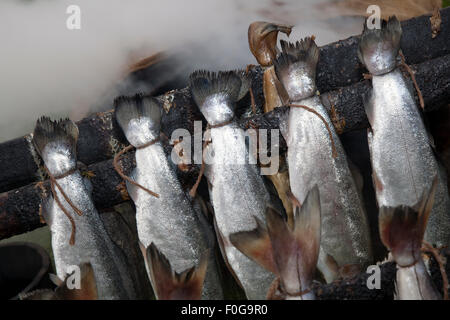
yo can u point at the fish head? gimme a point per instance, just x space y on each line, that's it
262 40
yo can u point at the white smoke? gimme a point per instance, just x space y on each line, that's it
47 69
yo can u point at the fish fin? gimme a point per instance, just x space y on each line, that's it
369 106
142 108
295 68
88 286
204 84
383 44
170 285
221 240
296 250
262 40
402 228
255 244
47 131
246 83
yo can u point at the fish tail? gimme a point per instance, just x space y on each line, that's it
378 48
289 252
216 93
51 137
139 116
170 285
296 66
402 228
88 286
296 249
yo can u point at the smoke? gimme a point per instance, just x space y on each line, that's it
47 69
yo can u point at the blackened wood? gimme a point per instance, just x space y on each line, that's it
338 68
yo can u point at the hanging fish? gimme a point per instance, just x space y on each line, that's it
166 218
237 190
401 231
78 234
262 39
316 157
402 159
290 252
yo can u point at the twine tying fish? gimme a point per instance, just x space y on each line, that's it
333 146
119 170
53 183
434 251
413 78
194 188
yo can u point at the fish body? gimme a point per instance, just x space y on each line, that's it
55 142
402 158
345 232
169 222
237 190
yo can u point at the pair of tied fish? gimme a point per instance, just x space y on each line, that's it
410 184
78 234
171 225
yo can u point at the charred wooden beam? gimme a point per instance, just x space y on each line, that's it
338 67
356 288
19 208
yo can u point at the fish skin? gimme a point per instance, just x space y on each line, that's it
238 194
414 283
236 188
92 243
171 222
402 159
345 230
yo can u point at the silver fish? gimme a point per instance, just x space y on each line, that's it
402 159
169 222
345 237
289 252
56 143
237 190
401 230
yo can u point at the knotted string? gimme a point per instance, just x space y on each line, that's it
413 78
193 190
119 170
53 183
